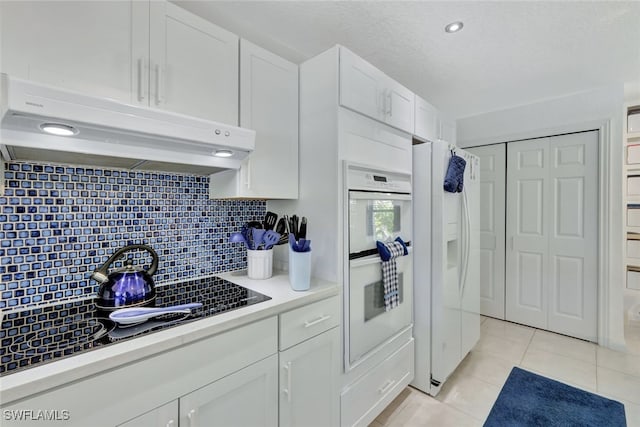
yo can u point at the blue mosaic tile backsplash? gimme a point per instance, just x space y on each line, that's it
59 223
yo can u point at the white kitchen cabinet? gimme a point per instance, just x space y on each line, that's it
246 398
164 416
89 47
367 90
427 123
309 393
193 65
146 53
268 105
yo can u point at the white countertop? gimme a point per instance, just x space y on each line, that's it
41 378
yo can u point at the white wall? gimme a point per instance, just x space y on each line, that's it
580 111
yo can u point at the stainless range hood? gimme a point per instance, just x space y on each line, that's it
104 132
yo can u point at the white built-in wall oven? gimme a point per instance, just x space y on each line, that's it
379 208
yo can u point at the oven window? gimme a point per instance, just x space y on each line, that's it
383 219
374 298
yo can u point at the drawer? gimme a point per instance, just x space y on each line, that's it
633 154
308 321
633 248
633 186
633 216
633 278
364 400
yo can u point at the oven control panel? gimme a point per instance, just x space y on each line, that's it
363 178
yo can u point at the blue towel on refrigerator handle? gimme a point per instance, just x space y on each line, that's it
389 251
454 179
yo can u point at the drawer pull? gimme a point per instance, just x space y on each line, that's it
386 387
170 423
321 319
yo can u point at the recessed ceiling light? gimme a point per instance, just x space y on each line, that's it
58 129
223 153
454 27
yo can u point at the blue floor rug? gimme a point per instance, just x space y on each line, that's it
527 399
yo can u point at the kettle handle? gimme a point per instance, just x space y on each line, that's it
102 271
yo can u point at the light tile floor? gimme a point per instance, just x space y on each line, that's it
467 397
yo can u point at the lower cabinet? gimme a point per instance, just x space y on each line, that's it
223 402
308 382
164 416
246 398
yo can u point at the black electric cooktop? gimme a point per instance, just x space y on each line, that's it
40 335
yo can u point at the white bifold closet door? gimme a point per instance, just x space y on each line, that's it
552 233
492 199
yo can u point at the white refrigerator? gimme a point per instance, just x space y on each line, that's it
446 264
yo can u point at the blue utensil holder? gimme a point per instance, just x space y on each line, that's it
299 270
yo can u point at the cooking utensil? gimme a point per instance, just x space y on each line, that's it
301 245
281 227
270 220
254 224
302 232
257 234
270 238
238 238
130 316
246 233
127 286
294 226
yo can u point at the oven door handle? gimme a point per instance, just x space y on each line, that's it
370 195
373 259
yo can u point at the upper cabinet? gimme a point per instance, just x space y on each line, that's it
193 65
89 47
367 90
269 105
431 124
146 53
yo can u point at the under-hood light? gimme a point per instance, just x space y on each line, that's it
454 27
223 153
58 129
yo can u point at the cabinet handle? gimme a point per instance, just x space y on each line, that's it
511 243
159 85
142 70
170 423
390 104
248 183
287 390
384 102
192 416
386 387
308 324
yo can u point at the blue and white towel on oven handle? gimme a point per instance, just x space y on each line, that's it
389 251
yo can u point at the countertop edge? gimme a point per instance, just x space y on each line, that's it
40 379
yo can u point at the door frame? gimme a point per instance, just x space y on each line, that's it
608 221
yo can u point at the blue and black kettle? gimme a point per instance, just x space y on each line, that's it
128 286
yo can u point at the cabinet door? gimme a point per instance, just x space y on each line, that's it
248 397
194 65
269 105
91 47
447 129
164 416
426 120
309 394
399 106
361 86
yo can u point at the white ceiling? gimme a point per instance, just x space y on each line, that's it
508 54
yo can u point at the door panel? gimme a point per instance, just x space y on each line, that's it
492 228
527 229
552 230
573 244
